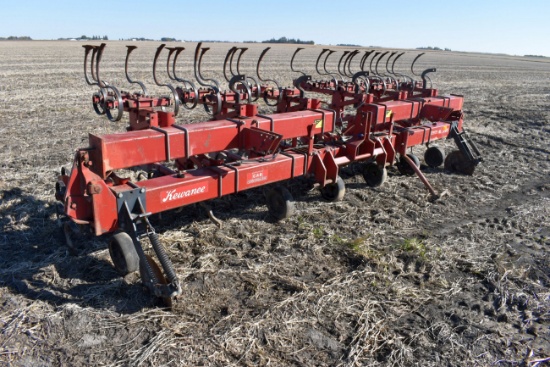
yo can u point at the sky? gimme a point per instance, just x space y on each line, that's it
507 26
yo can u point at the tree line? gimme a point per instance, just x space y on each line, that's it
289 40
14 38
433 48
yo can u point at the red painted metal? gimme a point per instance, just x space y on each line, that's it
299 139
372 118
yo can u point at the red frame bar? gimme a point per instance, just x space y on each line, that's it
377 131
134 148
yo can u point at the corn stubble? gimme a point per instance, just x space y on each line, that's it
383 278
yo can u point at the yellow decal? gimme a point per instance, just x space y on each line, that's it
318 123
388 114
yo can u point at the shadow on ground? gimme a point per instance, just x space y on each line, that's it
36 263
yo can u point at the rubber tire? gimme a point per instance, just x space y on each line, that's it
279 203
434 156
334 191
404 167
123 253
457 162
374 175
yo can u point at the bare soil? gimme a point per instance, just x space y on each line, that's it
383 278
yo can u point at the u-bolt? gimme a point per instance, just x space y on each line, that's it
240 79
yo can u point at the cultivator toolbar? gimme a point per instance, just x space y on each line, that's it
364 116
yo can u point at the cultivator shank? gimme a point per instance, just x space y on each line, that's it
368 116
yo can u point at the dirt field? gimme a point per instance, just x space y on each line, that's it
383 278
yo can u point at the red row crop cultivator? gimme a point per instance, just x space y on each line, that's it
369 116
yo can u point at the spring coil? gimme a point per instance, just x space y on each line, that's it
163 257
